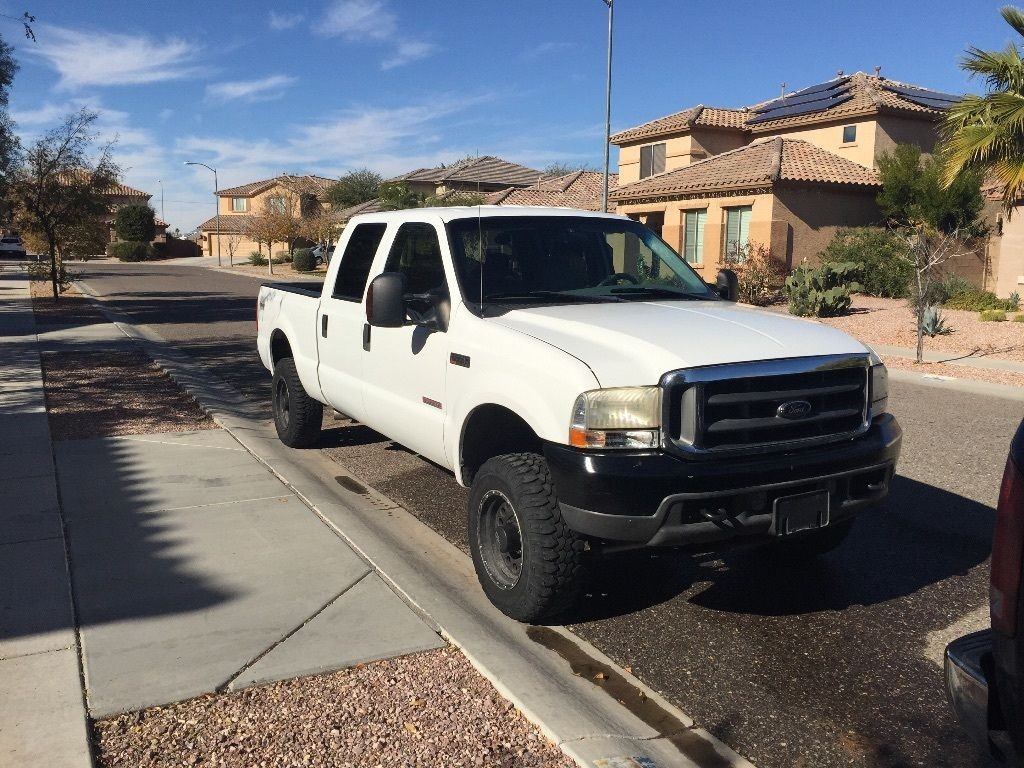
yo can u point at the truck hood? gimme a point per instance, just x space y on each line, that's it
634 343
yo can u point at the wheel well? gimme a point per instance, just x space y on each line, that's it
279 347
492 430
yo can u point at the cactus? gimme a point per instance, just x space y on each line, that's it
824 291
933 323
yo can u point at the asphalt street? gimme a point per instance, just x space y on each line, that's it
827 664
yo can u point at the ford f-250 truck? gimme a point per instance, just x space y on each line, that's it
586 384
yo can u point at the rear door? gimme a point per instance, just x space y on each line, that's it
404 368
341 318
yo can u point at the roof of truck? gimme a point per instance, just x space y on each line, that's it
472 211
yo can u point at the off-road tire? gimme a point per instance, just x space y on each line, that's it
552 553
811 544
297 416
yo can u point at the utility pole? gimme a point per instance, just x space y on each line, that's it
164 220
608 104
216 202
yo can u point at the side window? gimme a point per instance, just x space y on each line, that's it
356 261
652 160
416 253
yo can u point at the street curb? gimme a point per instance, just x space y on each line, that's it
968 386
587 723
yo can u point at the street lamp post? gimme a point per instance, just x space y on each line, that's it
608 104
162 218
216 188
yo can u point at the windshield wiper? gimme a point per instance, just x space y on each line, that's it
653 290
534 295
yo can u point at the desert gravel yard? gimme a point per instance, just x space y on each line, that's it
889 321
429 709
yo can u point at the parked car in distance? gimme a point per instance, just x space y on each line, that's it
12 247
985 670
323 253
591 390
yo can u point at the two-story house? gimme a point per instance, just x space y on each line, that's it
236 206
785 173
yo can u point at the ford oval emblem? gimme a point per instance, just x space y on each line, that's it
794 409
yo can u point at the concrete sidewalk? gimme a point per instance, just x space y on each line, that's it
193 569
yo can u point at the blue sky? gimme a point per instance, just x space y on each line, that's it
324 86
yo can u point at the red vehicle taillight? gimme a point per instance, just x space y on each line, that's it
1007 551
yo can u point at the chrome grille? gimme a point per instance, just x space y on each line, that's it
767 405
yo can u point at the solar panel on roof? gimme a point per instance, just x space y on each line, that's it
822 87
789 101
800 109
923 97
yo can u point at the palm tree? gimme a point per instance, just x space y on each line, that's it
986 133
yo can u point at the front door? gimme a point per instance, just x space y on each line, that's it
404 368
340 324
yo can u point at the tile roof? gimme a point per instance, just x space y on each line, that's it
485 169
370 206
123 190
580 189
712 117
761 164
302 183
230 223
867 94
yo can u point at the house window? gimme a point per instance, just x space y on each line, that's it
276 204
239 204
737 232
652 160
693 235
849 134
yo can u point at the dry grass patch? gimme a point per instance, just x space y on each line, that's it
431 709
72 308
107 393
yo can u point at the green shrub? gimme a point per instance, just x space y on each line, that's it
977 300
824 291
760 275
992 315
1013 301
135 223
1019 317
882 255
131 251
303 260
282 257
257 259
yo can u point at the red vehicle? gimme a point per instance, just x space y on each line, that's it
985 670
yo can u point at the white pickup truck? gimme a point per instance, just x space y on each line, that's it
586 384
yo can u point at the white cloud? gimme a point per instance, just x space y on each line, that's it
546 49
98 58
280 21
408 51
362 20
358 18
264 89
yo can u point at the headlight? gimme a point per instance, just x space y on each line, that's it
879 386
624 417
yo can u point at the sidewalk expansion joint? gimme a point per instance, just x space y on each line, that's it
29 541
37 653
223 687
284 496
180 445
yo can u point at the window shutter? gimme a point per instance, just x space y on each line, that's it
645 162
690 237
744 226
732 230
702 219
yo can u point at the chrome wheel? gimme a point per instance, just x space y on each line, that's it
500 540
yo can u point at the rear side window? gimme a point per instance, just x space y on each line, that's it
416 253
356 261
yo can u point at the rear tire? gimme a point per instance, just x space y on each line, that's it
811 544
297 416
528 561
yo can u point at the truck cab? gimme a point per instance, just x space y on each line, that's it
588 387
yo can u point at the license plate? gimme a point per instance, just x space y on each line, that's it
801 512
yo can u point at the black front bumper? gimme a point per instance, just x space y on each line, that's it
657 498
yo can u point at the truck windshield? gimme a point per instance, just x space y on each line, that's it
567 259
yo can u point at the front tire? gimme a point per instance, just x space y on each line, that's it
528 561
297 416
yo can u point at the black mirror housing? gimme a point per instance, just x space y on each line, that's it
727 285
385 302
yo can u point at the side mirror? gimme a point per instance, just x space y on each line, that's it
385 305
727 285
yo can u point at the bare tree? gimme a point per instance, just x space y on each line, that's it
263 228
321 228
58 188
233 241
928 249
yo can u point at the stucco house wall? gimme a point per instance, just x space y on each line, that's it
812 216
830 138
